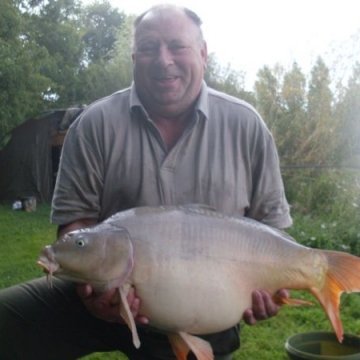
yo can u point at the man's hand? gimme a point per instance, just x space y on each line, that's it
263 306
105 306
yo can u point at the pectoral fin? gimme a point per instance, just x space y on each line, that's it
126 314
182 343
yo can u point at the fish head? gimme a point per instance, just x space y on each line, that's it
98 256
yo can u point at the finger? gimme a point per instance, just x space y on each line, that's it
84 290
271 308
134 303
131 295
283 293
249 317
142 320
135 306
258 305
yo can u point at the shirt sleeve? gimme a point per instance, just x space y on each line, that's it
79 181
268 200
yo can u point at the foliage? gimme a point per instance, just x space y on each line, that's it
348 110
102 23
105 77
227 80
21 59
289 127
320 125
326 204
55 26
267 89
310 125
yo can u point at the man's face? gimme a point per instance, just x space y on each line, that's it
168 61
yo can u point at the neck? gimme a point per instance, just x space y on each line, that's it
171 127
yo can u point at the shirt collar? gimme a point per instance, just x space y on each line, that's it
134 99
202 104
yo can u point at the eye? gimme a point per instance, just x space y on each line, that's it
80 242
148 48
177 47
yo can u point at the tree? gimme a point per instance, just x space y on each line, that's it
320 127
113 73
268 94
22 84
293 91
348 116
55 25
227 80
102 24
288 131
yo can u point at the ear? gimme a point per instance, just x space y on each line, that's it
204 54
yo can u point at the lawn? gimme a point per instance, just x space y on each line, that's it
23 234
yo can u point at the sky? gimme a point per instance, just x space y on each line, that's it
250 34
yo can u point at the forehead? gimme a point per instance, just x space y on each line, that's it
166 24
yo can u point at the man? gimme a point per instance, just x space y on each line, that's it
167 140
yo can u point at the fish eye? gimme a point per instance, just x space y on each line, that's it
80 242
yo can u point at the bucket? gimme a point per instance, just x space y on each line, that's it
322 345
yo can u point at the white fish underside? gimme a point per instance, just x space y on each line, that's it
197 275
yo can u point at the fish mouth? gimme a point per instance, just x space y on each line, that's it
48 264
49 268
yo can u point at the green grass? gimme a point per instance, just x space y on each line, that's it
22 235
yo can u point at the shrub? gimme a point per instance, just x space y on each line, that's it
327 204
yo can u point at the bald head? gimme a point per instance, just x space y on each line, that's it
167 10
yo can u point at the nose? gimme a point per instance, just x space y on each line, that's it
164 57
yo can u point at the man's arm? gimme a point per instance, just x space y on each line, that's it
78 224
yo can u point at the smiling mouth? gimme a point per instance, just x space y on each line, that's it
166 78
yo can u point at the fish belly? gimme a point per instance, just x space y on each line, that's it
178 302
197 273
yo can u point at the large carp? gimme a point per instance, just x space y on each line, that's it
194 269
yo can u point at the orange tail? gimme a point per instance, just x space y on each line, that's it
343 275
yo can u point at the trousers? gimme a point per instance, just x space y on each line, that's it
38 323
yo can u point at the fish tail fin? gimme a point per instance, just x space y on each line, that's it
183 342
343 275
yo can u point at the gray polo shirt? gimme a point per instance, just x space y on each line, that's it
114 159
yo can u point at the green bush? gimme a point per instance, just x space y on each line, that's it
326 208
